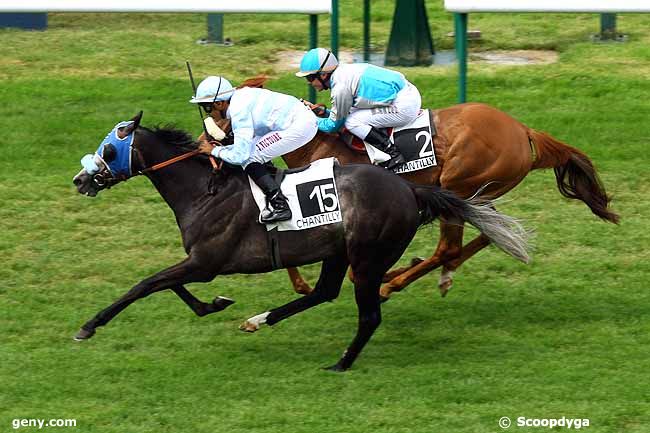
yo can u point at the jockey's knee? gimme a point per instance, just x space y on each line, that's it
255 157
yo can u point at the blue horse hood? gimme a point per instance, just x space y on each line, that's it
121 164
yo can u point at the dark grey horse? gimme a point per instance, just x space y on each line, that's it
217 217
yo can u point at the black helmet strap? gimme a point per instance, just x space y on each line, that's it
320 69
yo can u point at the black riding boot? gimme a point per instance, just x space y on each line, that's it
277 207
381 141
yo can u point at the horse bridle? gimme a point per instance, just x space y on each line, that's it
106 179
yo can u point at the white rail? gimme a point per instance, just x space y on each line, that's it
576 6
200 6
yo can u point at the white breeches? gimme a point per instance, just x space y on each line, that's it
277 143
403 110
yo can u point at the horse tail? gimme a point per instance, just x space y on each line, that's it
575 173
505 232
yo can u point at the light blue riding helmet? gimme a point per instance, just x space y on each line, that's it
317 60
213 89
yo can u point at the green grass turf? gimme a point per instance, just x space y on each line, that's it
566 335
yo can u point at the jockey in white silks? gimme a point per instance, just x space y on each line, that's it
364 98
265 125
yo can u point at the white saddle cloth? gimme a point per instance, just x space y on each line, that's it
312 197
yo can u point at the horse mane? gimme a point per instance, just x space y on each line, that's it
169 134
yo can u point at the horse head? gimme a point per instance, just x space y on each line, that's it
131 150
112 162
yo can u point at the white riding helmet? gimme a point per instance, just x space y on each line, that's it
317 60
213 89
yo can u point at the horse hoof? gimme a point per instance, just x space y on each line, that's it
336 368
304 290
416 261
221 303
383 299
84 334
248 327
445 286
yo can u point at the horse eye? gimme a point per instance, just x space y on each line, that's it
110 152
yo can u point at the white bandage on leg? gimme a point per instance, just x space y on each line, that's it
254 323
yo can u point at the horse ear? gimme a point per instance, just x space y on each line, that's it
126 130
136 119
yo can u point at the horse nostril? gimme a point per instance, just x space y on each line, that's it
76 181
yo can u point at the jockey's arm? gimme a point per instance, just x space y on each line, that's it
330 124
318 109
241 150
341 104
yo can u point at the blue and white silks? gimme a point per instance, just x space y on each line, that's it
121 165
253 113
360 85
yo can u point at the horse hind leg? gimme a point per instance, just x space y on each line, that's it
327 289
446 276
369 309
300 286
394 273
369 263
468 251
449 248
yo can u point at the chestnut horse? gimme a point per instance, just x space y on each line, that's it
477 148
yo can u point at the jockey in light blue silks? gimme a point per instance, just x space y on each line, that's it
364 98
265 125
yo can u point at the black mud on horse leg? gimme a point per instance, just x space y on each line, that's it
172 277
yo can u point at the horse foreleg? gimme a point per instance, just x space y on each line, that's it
327 289
476 245
449 248
300 286
202 308
172 277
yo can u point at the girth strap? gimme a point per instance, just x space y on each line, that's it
274 248
273 235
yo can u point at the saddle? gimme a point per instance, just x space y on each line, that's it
415 142
355 143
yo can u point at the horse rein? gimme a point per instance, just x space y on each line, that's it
215 165
165 163
102 180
